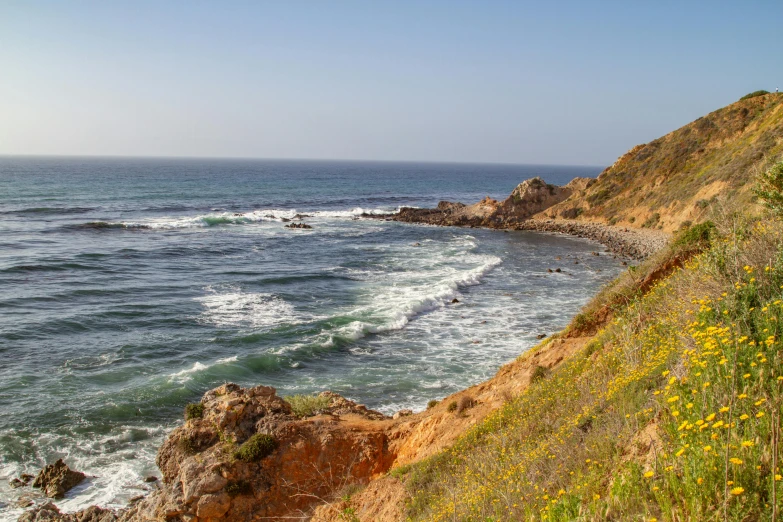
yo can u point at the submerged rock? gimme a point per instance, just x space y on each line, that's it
298 225
56 479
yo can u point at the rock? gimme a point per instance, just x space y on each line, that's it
151 478
549 270
204 480
558 270
56 479
298 225
454 301
51 513
540 336
402 413
24 502
15 483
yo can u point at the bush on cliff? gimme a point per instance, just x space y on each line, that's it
194 411
256 448
307 405
769 188
754 94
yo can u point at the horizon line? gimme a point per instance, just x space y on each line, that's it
260 158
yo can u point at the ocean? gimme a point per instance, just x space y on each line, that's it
129 287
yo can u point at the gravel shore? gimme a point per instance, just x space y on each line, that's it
629 242
633 243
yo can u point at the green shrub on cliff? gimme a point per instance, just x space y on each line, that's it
769 188
307 405
194 411
256 448
754 94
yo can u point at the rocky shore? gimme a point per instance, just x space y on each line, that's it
244 455
526 209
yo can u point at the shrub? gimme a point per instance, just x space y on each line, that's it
188 445
307 405
769 188
754 94
652 221
432 404
539 373
194 411
465 403
256 448
452 406
239 487
696 237
631 219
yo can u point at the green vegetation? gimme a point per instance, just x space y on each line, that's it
754 94
256 448
432 404
188 445
452 407
307 405
769 188
194 411
539 373
671 412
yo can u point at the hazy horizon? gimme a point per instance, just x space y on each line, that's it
314 160
443 82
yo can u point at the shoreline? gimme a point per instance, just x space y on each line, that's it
634 243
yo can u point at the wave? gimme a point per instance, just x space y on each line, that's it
50 210
104 225
232 218
394 307
230 307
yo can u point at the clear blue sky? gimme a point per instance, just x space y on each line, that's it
568 82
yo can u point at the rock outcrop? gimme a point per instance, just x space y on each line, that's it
56 479
527 208
249 457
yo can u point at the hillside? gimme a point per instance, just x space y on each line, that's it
672 179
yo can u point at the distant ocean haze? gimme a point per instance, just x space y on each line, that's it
129 287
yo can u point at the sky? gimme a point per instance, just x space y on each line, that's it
561 82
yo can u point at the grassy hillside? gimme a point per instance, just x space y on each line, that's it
672 412
673 179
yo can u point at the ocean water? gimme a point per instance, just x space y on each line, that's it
129 287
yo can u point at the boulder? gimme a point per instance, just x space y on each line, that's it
56 479
249 457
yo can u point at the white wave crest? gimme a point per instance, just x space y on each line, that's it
254 216
231 307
